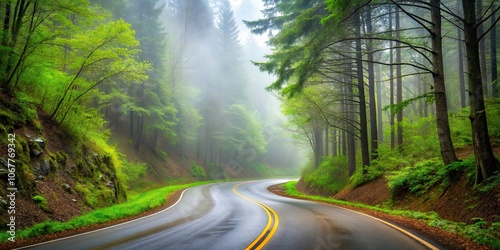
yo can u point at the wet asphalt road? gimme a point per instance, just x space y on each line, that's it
245 215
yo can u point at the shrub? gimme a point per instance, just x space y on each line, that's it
330 176
163 155
417 179
421 177
132 172
197 171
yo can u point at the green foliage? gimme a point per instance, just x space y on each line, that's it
480 232
415 179
131 173
420 139
399 107
197 171
42 203
460 123
244 128
164 155
490 183
373 172
418 179
493 116
330 176
456 169
26 108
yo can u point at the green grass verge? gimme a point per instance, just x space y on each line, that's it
137 205
480 231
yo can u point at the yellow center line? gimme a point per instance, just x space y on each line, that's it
265 235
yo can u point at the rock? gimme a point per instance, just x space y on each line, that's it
45 168
74 200
36 168
40 142
67 188
36 152
36 145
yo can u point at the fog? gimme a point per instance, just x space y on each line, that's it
227 120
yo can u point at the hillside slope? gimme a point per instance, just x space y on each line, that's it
56 178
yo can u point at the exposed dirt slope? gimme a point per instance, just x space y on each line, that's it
459 202
54 171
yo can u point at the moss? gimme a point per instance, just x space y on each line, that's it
42 203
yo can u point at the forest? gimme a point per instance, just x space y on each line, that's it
125 94
375 86
138 69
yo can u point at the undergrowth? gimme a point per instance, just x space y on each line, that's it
421 177
330 176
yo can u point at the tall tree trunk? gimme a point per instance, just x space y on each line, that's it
345 110
349 144
318 142
399 84
380 127
493 45
140 130
461 73
443 126
326 152
363 123
6 24
334 142
391 81
486 163
371 88
461 59
482 50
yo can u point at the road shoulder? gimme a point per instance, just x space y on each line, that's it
444 238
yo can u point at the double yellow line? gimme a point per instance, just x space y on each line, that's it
271 226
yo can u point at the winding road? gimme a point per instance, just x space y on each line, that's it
245 215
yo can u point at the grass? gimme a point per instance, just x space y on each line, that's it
139 204
478 231
42 203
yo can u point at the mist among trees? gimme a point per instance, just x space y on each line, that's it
367 81
172 76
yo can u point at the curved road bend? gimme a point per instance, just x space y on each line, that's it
245 215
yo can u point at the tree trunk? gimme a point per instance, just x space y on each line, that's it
140 129
334 142
371 88
391 81
131 124
6 24
345 111
380 125
443 126
349 145
326 152
482 51
363 123
486 163
461 73
493 45
318 142
399 84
